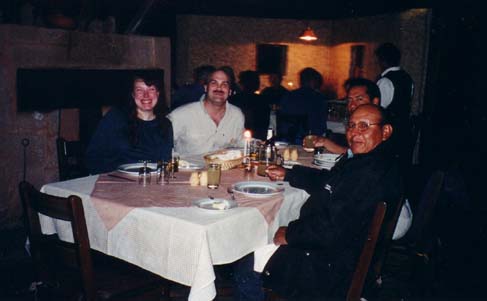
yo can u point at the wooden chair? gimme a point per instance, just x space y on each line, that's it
70 159
421 244
385 242
365 259
73 271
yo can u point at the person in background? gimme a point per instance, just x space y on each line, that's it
273 96
359 91
211 123
234 89
128 135
192 92
304 110
253 106
397 90
318 252
276 91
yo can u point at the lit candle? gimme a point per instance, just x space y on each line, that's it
246 158
247 136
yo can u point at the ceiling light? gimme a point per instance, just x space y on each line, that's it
308 35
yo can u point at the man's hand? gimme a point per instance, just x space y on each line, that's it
280 237
330 146
275 173
320 141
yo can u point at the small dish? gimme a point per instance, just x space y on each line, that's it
215 204
257 189
133 168
289 164
185 165
281 143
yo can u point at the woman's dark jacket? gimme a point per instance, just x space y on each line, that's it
325 242
111 145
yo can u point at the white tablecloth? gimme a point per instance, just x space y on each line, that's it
180 244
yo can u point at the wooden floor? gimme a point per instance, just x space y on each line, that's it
16 277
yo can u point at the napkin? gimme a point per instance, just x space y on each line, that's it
268 206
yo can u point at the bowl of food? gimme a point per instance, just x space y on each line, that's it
228 159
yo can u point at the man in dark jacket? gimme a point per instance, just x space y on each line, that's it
319 251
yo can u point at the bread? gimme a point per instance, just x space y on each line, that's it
194 179
294 154
286 155
220 205
204 178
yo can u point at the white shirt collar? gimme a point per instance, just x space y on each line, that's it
395 68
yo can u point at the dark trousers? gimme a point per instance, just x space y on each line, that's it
247 282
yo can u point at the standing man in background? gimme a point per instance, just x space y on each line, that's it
397 88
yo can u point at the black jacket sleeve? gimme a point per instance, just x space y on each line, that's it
306 178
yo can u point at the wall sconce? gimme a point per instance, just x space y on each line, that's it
308 35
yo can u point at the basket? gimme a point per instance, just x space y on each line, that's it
226 164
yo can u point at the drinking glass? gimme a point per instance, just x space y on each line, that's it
309 141
168 170
214 175
163 173
144 176
174 165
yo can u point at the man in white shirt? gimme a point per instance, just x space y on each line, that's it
397 89
394 83
211 123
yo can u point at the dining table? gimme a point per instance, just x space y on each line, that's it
158 227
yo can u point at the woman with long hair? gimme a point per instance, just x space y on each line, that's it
138 132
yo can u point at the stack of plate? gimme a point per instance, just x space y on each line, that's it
326 161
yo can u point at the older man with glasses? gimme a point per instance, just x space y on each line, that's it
318 251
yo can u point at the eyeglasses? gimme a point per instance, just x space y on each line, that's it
361 126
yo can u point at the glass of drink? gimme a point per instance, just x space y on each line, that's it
144 176
261 168
309 143
214 175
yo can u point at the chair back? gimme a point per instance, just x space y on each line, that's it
70 156
365 259
422 226
50 253
385 240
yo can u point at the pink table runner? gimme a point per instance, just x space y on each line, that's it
113 198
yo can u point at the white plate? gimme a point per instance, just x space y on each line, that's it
281 143
133 168
325 166
215 204
185 165
326 157
257 189
289 164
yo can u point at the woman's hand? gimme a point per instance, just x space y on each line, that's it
275 173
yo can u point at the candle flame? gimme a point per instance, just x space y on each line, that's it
247 134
